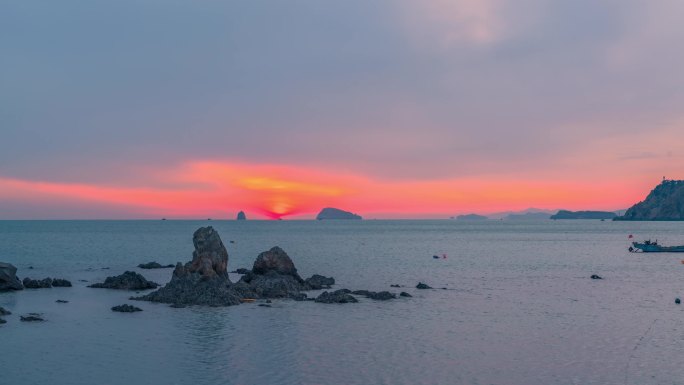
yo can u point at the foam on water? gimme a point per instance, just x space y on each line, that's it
520 308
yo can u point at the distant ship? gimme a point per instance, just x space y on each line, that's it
654 247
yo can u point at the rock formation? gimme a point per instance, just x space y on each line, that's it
31 317
318 282
3 311
58 282
126 308
565 214
8 278
37 284
421 285
338 296
333 213
129 280
241 216
663 203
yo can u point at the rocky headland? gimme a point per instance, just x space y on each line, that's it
333 213
664 203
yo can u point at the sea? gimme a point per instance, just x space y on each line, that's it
513 303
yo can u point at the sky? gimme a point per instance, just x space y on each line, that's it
387 108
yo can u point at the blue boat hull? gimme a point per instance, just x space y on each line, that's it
651 248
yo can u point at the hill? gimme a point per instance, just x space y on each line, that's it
333 213
664 203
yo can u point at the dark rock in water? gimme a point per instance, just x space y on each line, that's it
129 280
364 293
333 213
126 308
594 276
4 311
82 280
242 270
61 301
338 296
395 285
421 285
382 296
405 294
58 282
8 278
37 284
31 317
241 216
264 305
275 260
154 265
210 258
30 267
664 203
2 321
269 285
678 301
317 282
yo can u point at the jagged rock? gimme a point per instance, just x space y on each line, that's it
61 301
338 296
275 260
381 296
37 284
126 308
664 203
317 282
421 285
4 311
210 257
364 293
58 282
333 213
405 294
154 265
8 277
594 276
31 317
129 280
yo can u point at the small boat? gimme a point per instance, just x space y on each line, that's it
654 247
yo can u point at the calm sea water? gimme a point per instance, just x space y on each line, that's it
520 307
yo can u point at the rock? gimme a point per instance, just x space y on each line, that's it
275 260
153 265
594 276
317 282
82 280
61 301
37 284
565 214
126 308
338 296
31 317
8 278
58 282
333 213
421 285
4 311
241 216
405 294
678 301
241 270
664 203
129 280
364 293
395 285
264 305
382 296
2 321
270 285
210 258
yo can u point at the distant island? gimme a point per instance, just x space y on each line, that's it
528 216
664 203
471 217
565 214
241 216
333 213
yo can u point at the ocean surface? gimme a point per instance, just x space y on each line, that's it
518 308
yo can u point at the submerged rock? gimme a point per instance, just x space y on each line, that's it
678 301
317 282
31 317
594 276
338 296
37 284
8 277
2 321
58 282
154 265
4 311
405 294
129 280
382 296
61 301
421 285
126 308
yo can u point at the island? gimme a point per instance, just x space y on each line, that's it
241 216
471 217
664 203
333 213
527 216
566 214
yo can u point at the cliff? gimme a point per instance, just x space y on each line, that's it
663 203
333 213
565 214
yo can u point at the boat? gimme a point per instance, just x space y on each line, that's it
654 247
